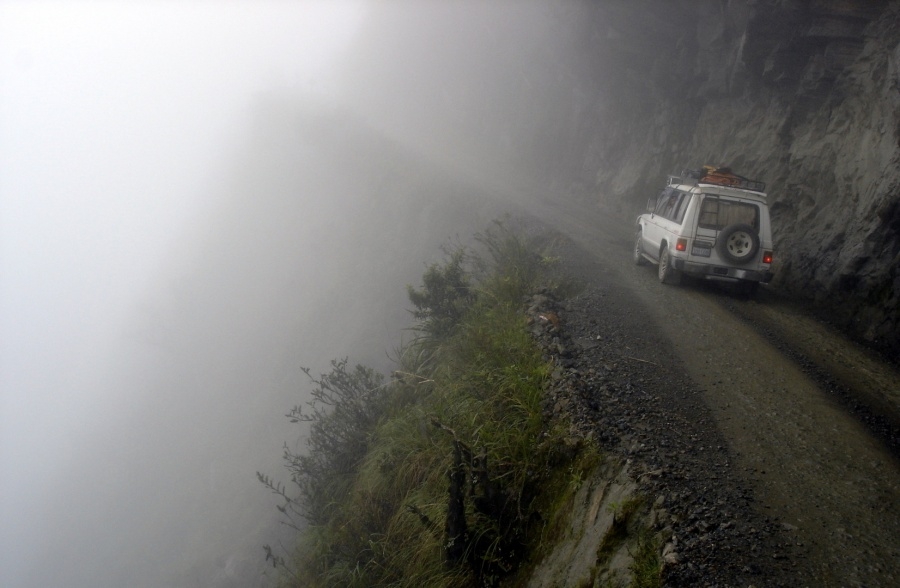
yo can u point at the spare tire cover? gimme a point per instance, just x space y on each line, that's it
738 243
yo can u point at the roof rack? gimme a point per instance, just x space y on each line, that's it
750 185
717 177
681 180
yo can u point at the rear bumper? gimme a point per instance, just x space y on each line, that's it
722 273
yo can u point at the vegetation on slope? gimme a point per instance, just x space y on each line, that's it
446 474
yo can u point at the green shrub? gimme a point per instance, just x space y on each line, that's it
345 407
444 297
432 478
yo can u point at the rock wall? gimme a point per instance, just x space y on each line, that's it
804 95
606 98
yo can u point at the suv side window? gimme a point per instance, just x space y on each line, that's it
672 204
683 200
665 201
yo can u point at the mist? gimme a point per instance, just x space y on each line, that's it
197 200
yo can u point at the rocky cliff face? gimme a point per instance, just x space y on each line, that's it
804 95
608 98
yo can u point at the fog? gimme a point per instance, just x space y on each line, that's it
197 199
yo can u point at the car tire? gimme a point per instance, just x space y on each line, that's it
738 244
667 273
639 258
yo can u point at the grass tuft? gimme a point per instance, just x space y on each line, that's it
646 568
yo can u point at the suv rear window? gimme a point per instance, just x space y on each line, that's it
718 213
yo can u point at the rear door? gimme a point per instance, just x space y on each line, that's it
716 214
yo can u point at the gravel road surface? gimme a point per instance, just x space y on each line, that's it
770 436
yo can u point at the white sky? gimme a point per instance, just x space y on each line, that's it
113 118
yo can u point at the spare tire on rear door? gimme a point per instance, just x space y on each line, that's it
738 243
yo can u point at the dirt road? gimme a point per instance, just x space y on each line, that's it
808 416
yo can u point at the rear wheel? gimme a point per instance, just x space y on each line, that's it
667 272
639 258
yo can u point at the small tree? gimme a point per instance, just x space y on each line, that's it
345 407
445 296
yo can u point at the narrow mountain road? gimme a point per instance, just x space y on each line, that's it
810 418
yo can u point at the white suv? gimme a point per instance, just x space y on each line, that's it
714 225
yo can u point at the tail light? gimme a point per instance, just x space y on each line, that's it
768 256
681 245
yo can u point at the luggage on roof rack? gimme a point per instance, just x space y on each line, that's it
721 176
